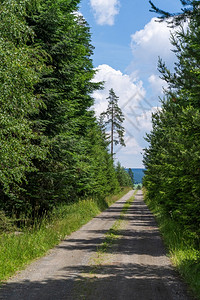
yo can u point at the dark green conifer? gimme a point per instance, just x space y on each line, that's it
172 158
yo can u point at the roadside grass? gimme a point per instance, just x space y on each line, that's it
181 248
17 250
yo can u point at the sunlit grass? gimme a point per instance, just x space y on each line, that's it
181 248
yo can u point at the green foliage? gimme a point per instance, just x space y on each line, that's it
181 246
78 164
52 148
189 9
19 72
173 157
123 176
65 89
139 187
130 172
6 224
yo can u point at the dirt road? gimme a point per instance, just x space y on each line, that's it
135 267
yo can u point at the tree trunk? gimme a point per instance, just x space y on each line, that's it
112 132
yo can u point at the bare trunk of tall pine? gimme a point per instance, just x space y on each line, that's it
112 132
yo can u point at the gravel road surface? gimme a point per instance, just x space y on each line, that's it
135 267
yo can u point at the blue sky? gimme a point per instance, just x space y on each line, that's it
128 42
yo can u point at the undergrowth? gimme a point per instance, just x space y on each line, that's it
17 250
6 224
182 249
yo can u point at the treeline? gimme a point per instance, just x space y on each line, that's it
173 158
52 149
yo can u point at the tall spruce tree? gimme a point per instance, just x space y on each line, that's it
70 170
52 149
172 159
115 119
65 89
20 69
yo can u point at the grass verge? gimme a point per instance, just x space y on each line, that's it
16 251
183 253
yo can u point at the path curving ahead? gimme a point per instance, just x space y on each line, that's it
135 267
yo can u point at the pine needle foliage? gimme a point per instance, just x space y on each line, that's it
189 9
173 156
52 148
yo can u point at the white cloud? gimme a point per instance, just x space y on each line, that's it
145 119
105 11
154 39
148 44
137 103
157 84
129 92
131 155
135 107
132 146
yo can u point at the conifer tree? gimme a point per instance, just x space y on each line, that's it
20 69
52 149
123 176
130 172
190 9
65 89
115 119
172 158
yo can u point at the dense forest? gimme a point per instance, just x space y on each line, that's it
52 147
172 159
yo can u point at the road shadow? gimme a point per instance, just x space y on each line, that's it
148 243
142 238
118 280
114 281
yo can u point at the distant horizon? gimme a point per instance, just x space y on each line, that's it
135 168
138 174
